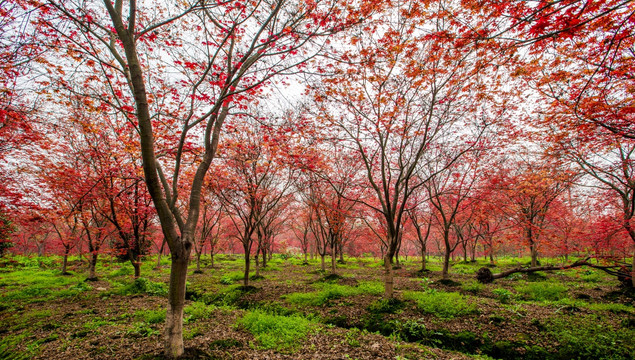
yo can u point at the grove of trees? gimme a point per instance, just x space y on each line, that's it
317 128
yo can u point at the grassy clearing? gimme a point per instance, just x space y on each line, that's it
328 292
282 333
442 304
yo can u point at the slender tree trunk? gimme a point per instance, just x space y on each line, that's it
198 261
212 256
633 268
176 298
65 262
247 263
137 268
341 251
333 257
92 264
423 258
389 280
160 253
257 258
534 255
323 265
446 256
264 257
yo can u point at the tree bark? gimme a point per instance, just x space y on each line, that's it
65 263
176 299
389 279
257 258
246 277
633 269
534 255
323 265
92 264
198 262
423 258
333 256
136 264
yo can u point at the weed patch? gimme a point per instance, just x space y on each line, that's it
144 286
328 292
542 291
442 304
276 331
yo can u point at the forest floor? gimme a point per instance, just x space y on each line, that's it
296 311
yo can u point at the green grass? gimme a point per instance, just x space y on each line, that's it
38 285
442 304
542 291
328 291
151 316
197 311
232 277
143 286
278 332
503 295
473 287
587 337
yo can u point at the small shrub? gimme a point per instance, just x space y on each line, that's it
503 295
473 287
542 291
536 276
198 310
144 286
442 304
412 330
386 306
276 331
232 277
352 337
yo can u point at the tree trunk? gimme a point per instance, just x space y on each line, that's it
160 253
333 257
534 255
257 258
323 265
198 262
264 257
246 277
92 264
136 264
423 258
65 263
176 298
446 263
341 251
388 281
212 255
633 268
